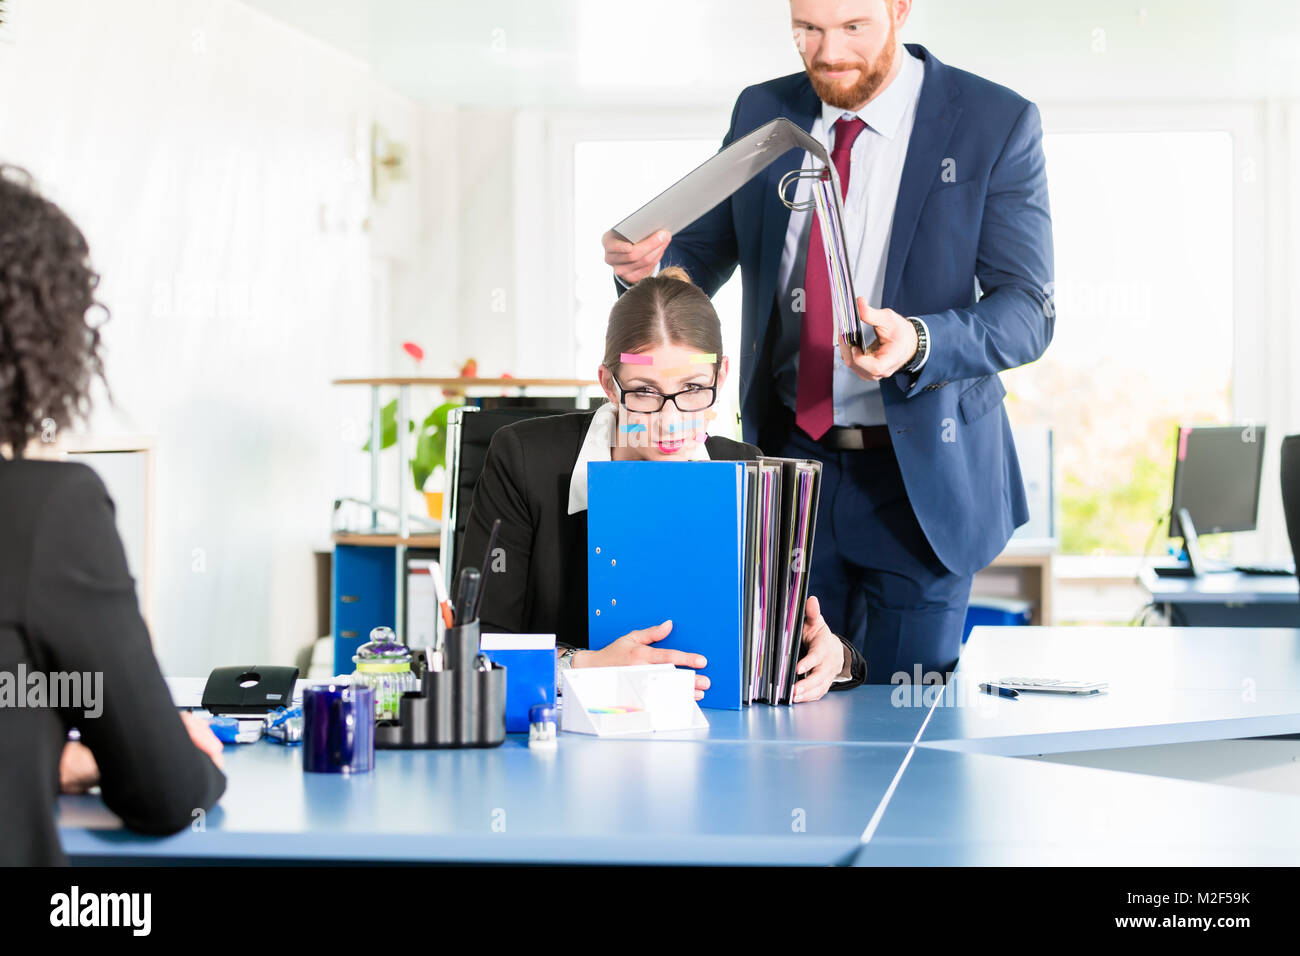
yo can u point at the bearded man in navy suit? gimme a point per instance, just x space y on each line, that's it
950 245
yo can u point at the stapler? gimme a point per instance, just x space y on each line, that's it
249 690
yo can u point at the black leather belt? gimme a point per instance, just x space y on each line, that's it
856 439
839 438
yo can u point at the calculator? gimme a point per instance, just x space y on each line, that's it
1051 685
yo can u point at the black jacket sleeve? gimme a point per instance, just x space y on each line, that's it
82 613
499 494
857 670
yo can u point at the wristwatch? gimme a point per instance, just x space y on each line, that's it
563 662
922 346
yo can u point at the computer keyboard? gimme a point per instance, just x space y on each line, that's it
1276 570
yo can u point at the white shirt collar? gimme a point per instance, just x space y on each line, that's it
886 111
595 447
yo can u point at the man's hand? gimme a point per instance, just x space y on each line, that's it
636 647
895 344
824 659
632 262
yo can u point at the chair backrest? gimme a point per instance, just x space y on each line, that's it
1291 493
469 433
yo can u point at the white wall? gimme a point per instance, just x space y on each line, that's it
217 162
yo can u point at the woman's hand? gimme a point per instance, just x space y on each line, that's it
204 738
78 771
635 648
825 657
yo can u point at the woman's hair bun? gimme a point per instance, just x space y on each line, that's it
675 272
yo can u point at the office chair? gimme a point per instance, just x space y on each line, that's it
469 433
1291 493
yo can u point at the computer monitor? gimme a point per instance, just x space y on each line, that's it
1217 472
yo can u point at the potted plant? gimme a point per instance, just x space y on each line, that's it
430 449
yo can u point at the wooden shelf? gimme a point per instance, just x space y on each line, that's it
1031 565
424 539
475 382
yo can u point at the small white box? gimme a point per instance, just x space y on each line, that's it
638 699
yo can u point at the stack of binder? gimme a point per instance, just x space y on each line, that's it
722 549
744 158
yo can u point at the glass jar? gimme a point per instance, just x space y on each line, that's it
385 664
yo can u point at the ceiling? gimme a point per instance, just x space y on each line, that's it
571 53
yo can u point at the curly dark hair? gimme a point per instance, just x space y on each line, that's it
49 353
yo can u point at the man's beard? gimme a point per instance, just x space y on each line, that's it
870 77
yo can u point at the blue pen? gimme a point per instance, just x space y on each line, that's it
994 689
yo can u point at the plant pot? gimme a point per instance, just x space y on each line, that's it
433 501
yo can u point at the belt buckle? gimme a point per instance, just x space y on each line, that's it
850 439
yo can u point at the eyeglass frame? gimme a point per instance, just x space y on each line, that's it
623 390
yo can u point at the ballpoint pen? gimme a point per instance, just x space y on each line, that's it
440 590
997 691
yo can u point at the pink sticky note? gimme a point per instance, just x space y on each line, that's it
636 358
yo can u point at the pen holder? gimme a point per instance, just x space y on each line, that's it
461 646
490 724
457 707
426 717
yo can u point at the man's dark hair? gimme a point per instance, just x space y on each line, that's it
49 353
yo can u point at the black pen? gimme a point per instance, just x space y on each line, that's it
487 558
467 595
994 689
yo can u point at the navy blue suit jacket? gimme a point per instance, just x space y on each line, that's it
972 208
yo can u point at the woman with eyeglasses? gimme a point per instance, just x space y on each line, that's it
662 371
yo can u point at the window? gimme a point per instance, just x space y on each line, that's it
1144 334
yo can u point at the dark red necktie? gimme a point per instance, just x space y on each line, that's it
814 412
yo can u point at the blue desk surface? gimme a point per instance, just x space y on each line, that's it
1167 685
862 715
803 785
1220 587
592 801
958 809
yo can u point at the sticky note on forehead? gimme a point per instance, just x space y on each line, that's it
635 358
704 358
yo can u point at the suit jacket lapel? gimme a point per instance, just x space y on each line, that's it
936 116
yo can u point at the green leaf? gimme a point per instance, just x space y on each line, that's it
388 427
430 442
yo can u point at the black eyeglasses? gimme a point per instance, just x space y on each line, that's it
645 401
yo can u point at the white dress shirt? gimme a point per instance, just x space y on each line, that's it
876 171
601 437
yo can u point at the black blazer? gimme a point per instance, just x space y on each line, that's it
67 604
525 482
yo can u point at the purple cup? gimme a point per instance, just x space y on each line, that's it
338 728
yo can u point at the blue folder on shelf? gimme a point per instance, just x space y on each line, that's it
720 548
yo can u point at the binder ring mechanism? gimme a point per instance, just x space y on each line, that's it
793 176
